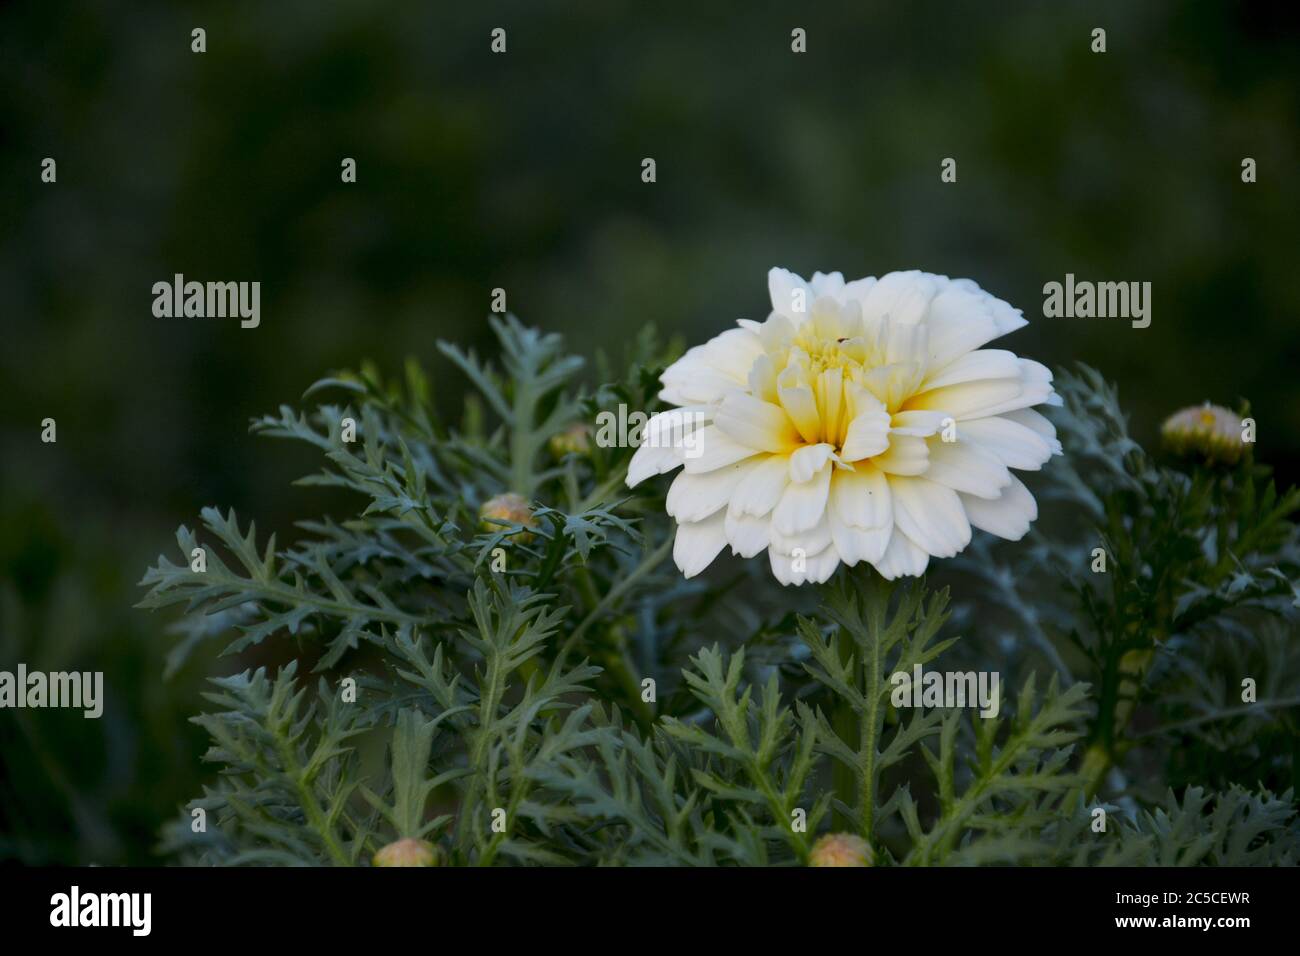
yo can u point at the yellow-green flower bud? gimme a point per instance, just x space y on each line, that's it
1210 432
574 440
840 849
509 508
409 852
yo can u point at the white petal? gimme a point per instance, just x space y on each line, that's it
965 466
1008 516
802 504
974 367
918 423
906 456
1015 445
707 372
857 290
805 568
859 544
827 318
808 460
860 400
827 284
902 558
732 352
828 389
963 317
930 514
861 498
906 343
755 423
902 296
762 380
761 489
695 383
894 384
693 497
1035 389
647 461
698 543
660 440
711 448
868 435
747 534
776 333
814 540
670 428
800 404
969 399
1035 422
781 286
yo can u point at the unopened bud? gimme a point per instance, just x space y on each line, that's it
840 849
574 440
508 508
1209 432
409 852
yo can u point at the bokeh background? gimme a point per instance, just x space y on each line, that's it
522 171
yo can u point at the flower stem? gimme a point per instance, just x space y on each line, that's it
1130 671
843 779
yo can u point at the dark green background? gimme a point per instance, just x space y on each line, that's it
523 171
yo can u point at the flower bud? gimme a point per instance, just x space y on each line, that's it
574 440
509 508
1209 432
409 852
840 849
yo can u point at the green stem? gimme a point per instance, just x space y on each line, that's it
307 799
490 694
869 681
844 779
1119 694
648 564
620 666
602 491
522 444
778 808
946 831
554 555
868 733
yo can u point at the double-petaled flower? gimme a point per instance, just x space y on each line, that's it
862 421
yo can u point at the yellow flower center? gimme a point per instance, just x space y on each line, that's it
833 366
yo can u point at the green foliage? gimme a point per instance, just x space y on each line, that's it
287 772
542 692
855 663
1199 593
1014 783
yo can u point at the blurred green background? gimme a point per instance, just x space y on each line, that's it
522 171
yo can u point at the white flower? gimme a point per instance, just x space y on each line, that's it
863 421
